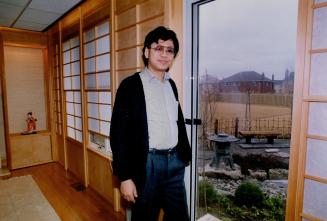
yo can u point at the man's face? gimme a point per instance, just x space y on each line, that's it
160 55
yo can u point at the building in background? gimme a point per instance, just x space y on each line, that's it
247 81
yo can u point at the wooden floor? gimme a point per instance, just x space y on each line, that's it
70 204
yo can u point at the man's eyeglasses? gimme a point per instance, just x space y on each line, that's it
160 49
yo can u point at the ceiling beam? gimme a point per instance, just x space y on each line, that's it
20 14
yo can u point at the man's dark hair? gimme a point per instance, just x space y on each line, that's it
159 33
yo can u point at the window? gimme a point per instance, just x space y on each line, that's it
71 75
56 89
96 43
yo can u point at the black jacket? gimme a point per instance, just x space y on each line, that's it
129 138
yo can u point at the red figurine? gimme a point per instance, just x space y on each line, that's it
31 123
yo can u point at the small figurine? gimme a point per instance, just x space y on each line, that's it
31 124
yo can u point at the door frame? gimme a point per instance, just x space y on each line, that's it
191 90
293 206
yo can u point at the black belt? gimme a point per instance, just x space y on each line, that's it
163 151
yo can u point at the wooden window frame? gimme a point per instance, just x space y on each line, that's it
71 75
95 73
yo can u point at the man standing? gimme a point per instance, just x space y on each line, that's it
148 136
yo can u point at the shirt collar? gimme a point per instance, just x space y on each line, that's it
150 76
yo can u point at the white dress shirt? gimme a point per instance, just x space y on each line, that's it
161 109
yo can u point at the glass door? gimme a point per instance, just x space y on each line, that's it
240 88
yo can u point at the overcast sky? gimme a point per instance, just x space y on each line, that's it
247 35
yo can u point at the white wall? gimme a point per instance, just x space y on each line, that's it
25 87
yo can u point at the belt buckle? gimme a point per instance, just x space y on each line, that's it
169 152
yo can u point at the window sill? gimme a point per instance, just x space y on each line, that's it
100 152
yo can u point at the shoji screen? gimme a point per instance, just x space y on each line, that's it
315 174
72 88
97 84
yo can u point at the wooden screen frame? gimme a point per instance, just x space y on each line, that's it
80 75
4 101
96 73
301 102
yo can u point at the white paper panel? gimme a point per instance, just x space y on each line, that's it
93 110
67 70
319 34
76 68
92 97
315 199
105 112
70 96
89 35
90 81
78 110
318 76
66 57
66 46
74 42
89 49
67 83
103 45
105 128
317 119
104 80
105 97
79 136
76 84
102 29
71 132
78 123
70 121
75 54
89 65
70 108
316 164
103 62
77 97
94 125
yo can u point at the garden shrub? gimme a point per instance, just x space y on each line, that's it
248 194
224 201
207 191
276 208
248 203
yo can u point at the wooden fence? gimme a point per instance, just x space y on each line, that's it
283 100
281 124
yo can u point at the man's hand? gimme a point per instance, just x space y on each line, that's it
128 190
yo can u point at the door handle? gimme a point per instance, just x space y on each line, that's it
194 121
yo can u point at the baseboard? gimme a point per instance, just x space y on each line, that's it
4 173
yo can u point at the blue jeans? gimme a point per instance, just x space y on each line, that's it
164 188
